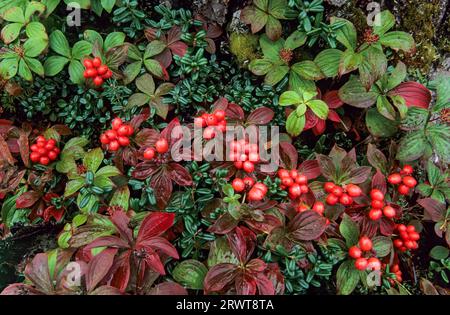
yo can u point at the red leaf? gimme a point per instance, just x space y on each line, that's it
179 48
220 104
434 210
319 128
106 290
5 154
27 199
224 224
38 273
307 226
219 276
242 243
52 212
153 262
415 94
235 112
19 289
379 181
144 170
121 271
256 265
147 137
274 274
165 58
167 132
310 168
333 116
121 221
260 116
245 284
107 241
162 187
168 288
99 267
264 284
24 148
162 245
288 155
387 226
155 224
311 119
332 99
180 175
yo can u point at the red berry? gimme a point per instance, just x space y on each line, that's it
98 81
401 228
301 179
248 181
111 134
407 169
42 151
354 252
375 214
211 120
395 178
377 204
52 155
238 164
209 133
337 191
319 207
373 263
294 173
398 243
329 186
409 181
199 122
149 153
394 268
238 185
56 149
123 141
116 123
389 212
87 63
34 148
130 130
102 69
410 244
122 130
332 199
377 194
295 191
104 138
49 146
414 236
219 114
162 146
353 190
304 189
261 187
403 189
34 157
44 160
248 166
41 144
404 235
346 200
365 244
114 145
52 142
361 263
91 73
410 228
96 62
255 194
302 207
287 181
282 173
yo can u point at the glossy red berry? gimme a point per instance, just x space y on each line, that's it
361 263
248 166
295 191
377 204
209 133
403 189
346 200
376 194
114 145
219 114
407 169
332 199
96 62
123 141
398 243
287 181
301 179
365 244
262 187
149 153
34 157
389 212
375 214
319 207
162 146
116 123
238 164
293 173
373 263
102 69
211 120
282 173
354 252
87 63
107 75
304 189
44 160
104 138
409 181
111 134
238 185
337 191
255 194
353 190
248 181
199 122
328 187
52 155
395 178
98 81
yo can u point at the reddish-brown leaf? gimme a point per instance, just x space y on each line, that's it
162 187
168 288
414 93
307 226
99 267
260 116
219 276
245 284
155 224
379 181
434 210
179 174
27 199
310 168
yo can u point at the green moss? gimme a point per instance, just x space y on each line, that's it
244 46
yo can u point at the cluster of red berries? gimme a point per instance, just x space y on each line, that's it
378 206
256 191
118 136
362 263
244 155
397 273
44 151
403 179
408 237
161 146
214 123
97 71
295 182
318 207
343 195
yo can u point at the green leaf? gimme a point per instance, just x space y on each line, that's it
33 47
132 71
289 98
276 74
76 70
378 125
412 146
349 62
434 174
346 34
354 94
273 28
349 230
220 252
154 67
59 43
387 21
9 67
438 136
308 70
35 66
32 8
93 159
108 171
146 84
93 37
396 76
271 49
385 108
382 246
400 103
108 5
347 277
73 186
36 29
50 6
154 48
295 124
14 14
320 108
398 41
328 62
121 198
113 39
439 252
260 66
24 71
295 40
81 49
442 92
103 182
10 32
190 273
373 65
138 99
